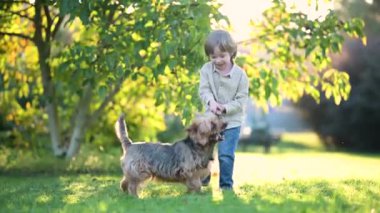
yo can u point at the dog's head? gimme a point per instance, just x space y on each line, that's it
207 129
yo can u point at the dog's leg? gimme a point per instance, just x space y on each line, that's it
193 184
133 188
135 178
124 184
203 173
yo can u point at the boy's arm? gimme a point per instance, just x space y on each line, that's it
240 99
205 92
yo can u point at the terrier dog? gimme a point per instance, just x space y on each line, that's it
185 161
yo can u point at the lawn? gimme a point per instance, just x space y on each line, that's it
297 176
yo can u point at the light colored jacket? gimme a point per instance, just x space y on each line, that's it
230 90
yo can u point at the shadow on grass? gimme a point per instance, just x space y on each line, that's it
86 193
287 197
19 162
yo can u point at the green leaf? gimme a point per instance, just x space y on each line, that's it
67 6
309 49
268 91
102 92
335 47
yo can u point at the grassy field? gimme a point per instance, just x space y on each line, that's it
297 176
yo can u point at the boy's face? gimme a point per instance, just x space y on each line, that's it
221 59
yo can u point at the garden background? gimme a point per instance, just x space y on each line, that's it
68 69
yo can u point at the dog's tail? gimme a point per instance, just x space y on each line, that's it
122 133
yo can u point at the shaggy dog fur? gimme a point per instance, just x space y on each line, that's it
185 161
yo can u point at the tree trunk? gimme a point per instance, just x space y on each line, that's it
54 129
50 102
51 106
80 122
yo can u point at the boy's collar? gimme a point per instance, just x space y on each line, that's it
229 75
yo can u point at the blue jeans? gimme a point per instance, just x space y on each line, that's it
226 157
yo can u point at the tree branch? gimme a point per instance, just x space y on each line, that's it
105 102
8 13
14 1
17 35
57 26
20 15
111 14
49 22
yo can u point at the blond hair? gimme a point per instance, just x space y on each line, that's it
221 39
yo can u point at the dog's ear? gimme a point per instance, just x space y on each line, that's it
192 128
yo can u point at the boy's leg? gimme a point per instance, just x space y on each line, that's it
226 155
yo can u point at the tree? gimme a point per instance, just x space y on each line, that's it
89 51
354 124
289 55
119 41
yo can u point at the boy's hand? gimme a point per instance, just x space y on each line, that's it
220 110
215 107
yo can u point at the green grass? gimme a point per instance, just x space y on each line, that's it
298 176
87 193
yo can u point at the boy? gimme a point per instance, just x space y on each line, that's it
223 89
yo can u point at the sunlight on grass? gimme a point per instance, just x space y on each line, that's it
92 160
217 195
308 139
157 189
289 142
300 194
301 156
261 168
77 191
103 207
297 176
44 198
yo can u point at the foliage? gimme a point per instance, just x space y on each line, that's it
91 159
354 124
70 68
175 130
365 10
291 55
73 67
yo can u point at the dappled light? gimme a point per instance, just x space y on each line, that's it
44 198
308 143
300 177
162 190
292 196
76 192
301 156
261 168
